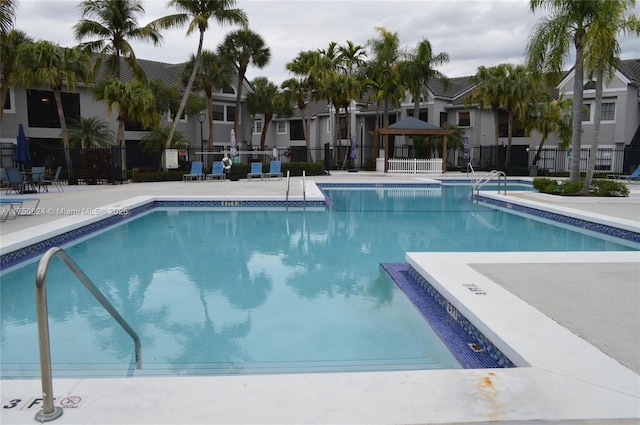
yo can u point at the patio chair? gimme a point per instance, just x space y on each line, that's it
256 170
52 181
15 181
196 172
634 177
217 171
37 175
275 170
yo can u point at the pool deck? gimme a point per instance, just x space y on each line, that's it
570 321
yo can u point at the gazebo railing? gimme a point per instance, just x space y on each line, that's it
415 166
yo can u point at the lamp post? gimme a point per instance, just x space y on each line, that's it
200 117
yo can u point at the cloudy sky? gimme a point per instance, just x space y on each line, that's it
472 32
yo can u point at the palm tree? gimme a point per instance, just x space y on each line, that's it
134 103
489 91
114 23
215 73
243 48
549 116
266 99
309 66
90 132
294 91
45 63
198 14
9 47
417 70
7 16
602 55
384 76
549 44
516 100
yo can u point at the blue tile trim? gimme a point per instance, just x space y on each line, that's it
470 347
32 251
564 219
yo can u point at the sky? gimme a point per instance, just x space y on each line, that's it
472 32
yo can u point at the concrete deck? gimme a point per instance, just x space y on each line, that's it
571 321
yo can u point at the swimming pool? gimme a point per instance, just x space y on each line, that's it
200 283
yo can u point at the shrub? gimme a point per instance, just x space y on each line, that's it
599 187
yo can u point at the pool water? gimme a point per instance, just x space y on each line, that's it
231 291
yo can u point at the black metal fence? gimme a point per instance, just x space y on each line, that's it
106 163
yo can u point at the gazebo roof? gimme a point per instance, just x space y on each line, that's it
412 125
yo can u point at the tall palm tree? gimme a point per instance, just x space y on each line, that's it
309 66
602 55
45 63
114 23
549 116
9 46
418 68
243 48
489 91
198 13
215 73
549 44
90 132
133 101
267 99
516 100
384 76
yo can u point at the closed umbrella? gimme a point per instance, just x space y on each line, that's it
21 154
353 147
234 151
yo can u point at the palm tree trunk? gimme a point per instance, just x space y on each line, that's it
574 173
123 147
597 117
536 158
236 114
507 161
65 134
187 91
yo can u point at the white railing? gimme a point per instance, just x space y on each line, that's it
415 166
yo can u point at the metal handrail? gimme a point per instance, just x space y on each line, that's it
49 412
485 179
473 172
304 188
288 186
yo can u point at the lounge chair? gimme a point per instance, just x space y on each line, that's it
52 181
217 171
275 170
256 170
15 181
196 172
12 207
634 177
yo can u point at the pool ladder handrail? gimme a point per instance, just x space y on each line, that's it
49 412
288 187
473 172
486 179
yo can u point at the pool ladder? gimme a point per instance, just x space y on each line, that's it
49 412
486 179
304 188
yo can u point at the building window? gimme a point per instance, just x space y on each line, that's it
586 112
464 119
423 114
228 90
43 112
444 118
231 112
296 130
218 112
608 111
8 103
257 127
282 127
